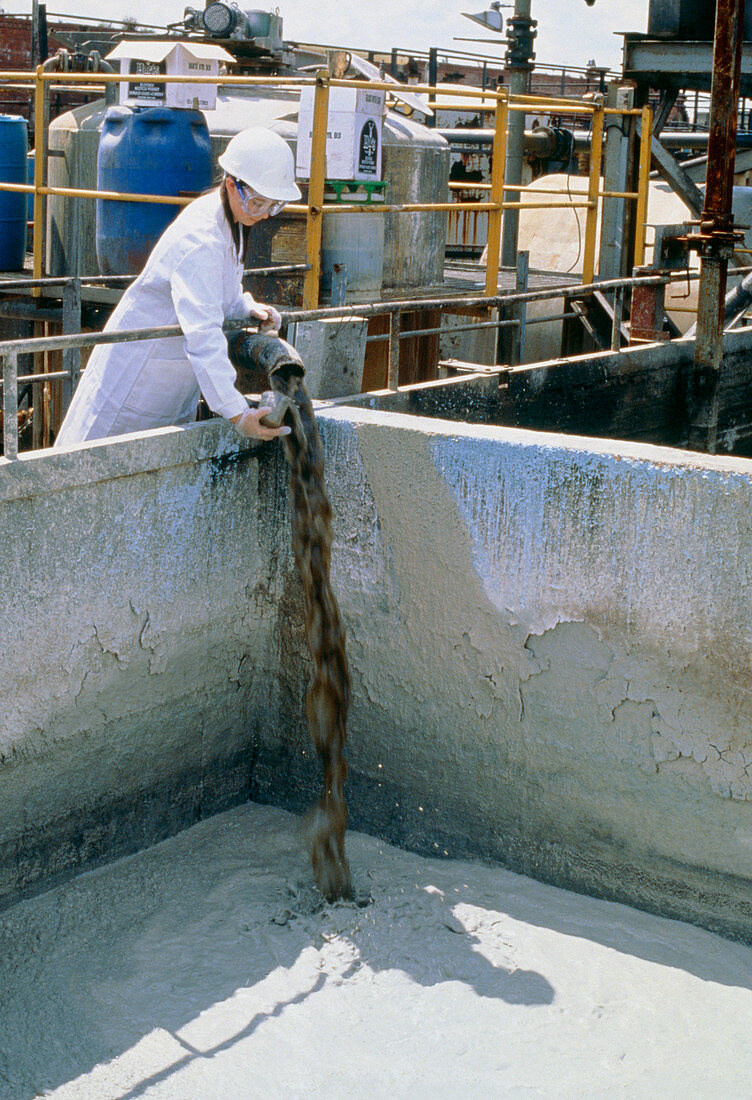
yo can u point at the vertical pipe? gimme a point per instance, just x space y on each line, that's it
518 81
395 326
10 405
43 42
35 58
616 321
316 190
520 312
717 226
433 79
618 131
71 356
38 175
591 221
498 161
643 182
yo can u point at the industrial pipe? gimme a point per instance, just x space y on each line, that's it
670 139
735 303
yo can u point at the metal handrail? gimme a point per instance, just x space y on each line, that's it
499 99
11 349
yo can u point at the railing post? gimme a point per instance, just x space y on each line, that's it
498 162
10 405
71 324
316 190
395 327
643 182
591 221
617 319
520 313
40 165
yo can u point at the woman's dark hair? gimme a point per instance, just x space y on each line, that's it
239 232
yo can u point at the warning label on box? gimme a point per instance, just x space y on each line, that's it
146 89
368 153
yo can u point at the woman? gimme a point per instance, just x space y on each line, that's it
192 278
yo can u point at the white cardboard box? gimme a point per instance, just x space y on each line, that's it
140 60
353 137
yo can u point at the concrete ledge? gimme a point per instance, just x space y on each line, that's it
42 472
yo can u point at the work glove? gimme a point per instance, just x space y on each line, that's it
248 425
270 318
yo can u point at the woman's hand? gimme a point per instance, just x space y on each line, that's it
270 318
248 424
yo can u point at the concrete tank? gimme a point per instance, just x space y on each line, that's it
415 165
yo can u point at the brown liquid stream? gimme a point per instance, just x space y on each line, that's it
328 695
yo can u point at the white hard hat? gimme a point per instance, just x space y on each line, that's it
264 161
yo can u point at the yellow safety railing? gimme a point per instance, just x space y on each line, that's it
315 208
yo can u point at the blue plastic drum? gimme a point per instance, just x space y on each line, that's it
13 145
147 151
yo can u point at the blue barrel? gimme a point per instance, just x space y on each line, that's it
13 144
146 151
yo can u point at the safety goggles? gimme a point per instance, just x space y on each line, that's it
256 205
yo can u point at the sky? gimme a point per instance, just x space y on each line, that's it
569 32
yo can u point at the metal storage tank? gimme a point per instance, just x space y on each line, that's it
353 243
13 147
416 167
71 222
150 150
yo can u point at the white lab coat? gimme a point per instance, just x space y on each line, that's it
192 278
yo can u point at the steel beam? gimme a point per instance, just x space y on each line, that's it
661 63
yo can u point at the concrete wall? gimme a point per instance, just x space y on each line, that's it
639 394
549 640
134 578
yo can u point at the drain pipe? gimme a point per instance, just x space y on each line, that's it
264 360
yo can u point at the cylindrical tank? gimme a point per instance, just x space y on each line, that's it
12 204
71 222
416 168
354 243
691 20
151 151
554 239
